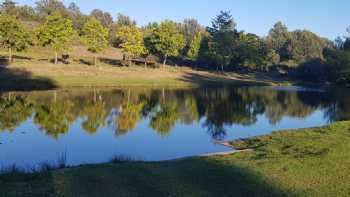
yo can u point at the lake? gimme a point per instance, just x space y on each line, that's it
91 126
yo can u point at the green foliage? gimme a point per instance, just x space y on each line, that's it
94 114
131 40
194 47
165 119
297 46
252 51
57 33
104 17
123 20
223 22
95 36
278 36
13 35
129 117
166 40
338 62
273 57
46 8
14 111
192 32
346 45
223 40
55 118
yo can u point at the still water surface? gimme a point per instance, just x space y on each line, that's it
91 126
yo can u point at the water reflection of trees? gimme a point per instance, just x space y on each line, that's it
14 111
216 109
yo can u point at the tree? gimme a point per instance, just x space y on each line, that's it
78 18
104 17
95 37
132 41
223 40
277 38
166 40
338 62
8 7
192 32
194 46
252 51
47 8
123 20
13 36
223 22
57 33
346 44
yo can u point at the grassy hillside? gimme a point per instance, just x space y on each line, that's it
304 162
33 69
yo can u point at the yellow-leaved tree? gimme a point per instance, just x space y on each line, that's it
132 41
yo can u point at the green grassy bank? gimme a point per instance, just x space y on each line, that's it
304 162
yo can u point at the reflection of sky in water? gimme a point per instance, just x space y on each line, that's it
27 145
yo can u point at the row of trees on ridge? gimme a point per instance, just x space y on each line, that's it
220 46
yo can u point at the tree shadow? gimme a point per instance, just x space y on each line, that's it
189 177
82 61
18 80
215 80
113 62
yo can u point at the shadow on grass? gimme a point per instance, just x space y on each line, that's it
113 62
190 177
17 79
211 80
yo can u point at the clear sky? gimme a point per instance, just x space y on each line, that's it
327 18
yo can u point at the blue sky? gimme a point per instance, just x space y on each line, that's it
327 18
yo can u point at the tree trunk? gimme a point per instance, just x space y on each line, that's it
130 62
95 60
145 63
56 57
165 59
10 55
95 96
55 96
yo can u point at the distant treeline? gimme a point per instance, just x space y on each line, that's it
221 46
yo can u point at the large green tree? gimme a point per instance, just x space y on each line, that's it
278 36
224 39
95 37
13 35
132 41
194 46
192 32
56 32
252 51
166 40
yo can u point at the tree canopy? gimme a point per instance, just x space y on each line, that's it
132 40
13 35
95 36
166 40
57 32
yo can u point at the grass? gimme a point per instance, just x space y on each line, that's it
304 162
33 69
